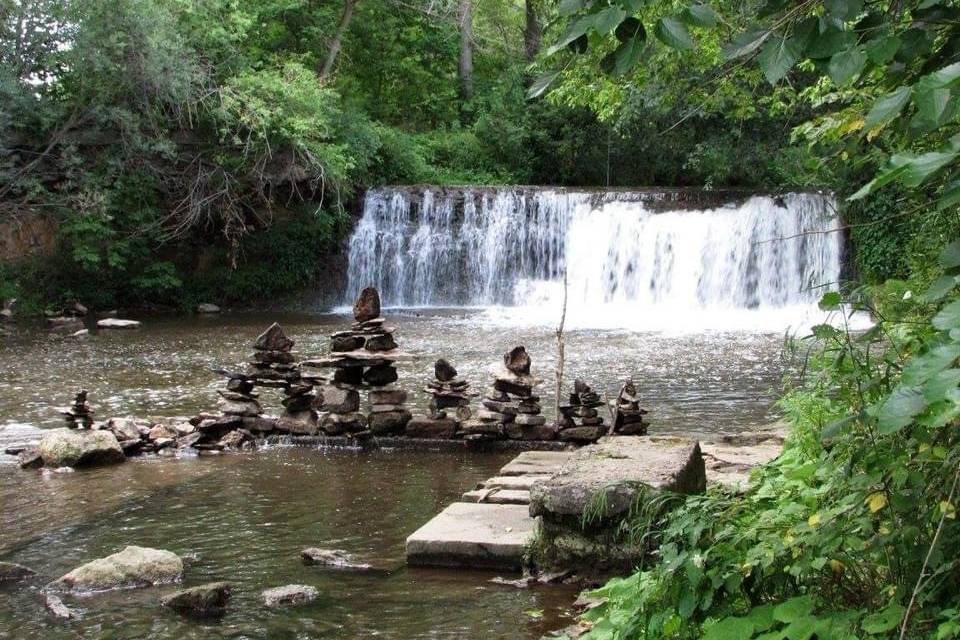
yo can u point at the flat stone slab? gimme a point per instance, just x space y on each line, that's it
539 462
494 495
730 464
617 466
522 483
483 536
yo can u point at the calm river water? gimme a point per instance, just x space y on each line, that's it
245 517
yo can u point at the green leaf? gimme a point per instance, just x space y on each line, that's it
900 408
630 28
949 317
846 65
700 15
926 365
829 42
761 617
794 609
570 7
949 257
921 167
936 389
887 108
745 43
843 10
801 629
575 29
831 301
939 288
607 20
625 57
944 77
778 57
883 621
730 629
950 196
882 50
673 33
541 84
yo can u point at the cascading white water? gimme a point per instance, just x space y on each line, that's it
628 253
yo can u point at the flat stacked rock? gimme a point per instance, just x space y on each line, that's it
449 406
363 358
79 414
579 420
510 408
629 414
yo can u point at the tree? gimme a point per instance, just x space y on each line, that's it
532 31
331 60
465 68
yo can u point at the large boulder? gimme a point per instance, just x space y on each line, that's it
133 567
206 600
79 448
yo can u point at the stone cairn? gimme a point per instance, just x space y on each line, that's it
363 357
579 420
79 415
449 404
628 414
511 409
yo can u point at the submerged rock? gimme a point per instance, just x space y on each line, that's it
289 594
76 448
117 323
206 600
57 609
333 558
12 572
134 567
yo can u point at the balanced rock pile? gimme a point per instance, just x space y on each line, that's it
629 414
580 421
79 415
449 405
363 357
510 407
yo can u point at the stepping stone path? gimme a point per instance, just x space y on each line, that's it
484 531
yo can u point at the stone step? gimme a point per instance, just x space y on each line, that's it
522 483
476 535
497 496
536 462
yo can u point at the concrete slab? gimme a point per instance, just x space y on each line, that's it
541 462
485 536
522 483
494 495
619 467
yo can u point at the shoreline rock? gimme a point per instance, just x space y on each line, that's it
79 448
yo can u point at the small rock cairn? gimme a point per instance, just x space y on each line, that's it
449 404
363 358
628 413
79 415
510 407
579 420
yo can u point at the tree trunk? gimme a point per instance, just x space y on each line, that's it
331 61
531 32
465 69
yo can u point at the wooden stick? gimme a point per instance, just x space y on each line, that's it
560 359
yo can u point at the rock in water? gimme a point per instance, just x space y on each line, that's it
133 567
116 323
444 371
12 572
333 558
273 339
207 600
207 307
74 448
289 594
57 609
517 361
367 306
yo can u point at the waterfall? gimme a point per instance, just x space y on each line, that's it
636 252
